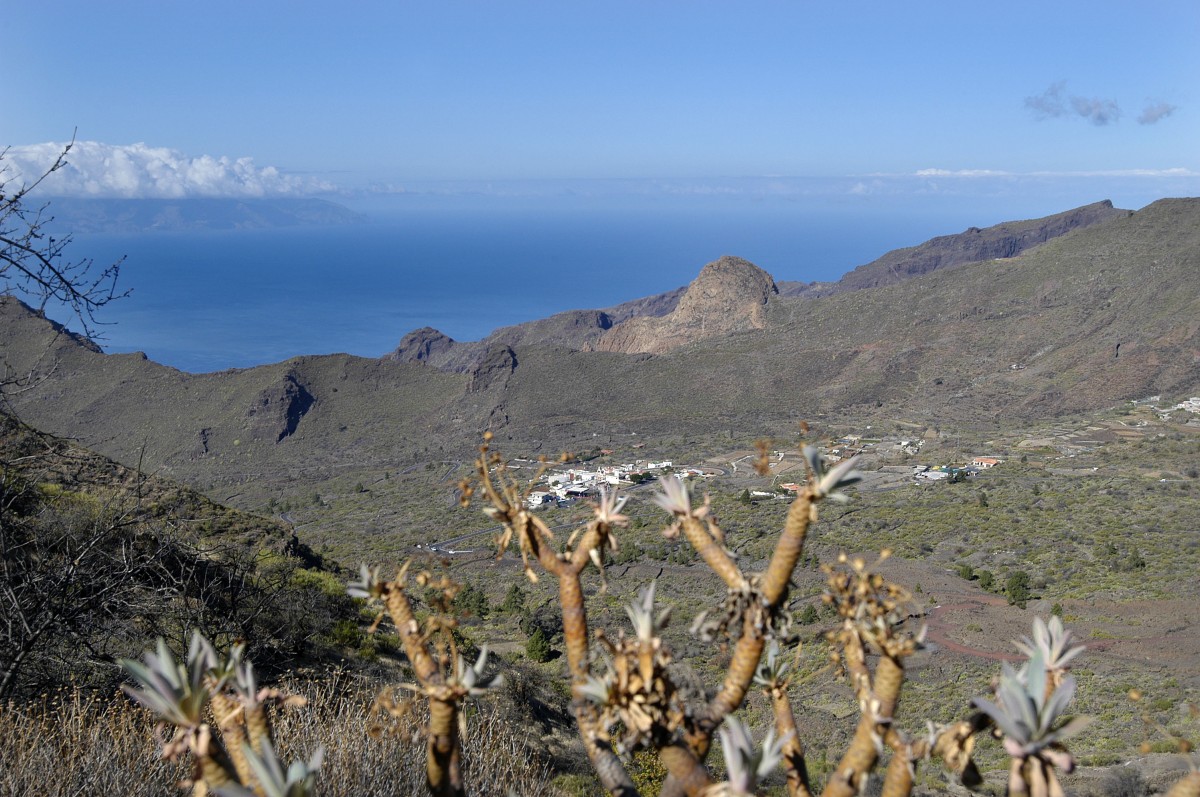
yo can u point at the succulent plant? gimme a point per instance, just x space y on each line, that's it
773 668
175 691
1028 717
1031 718
745 764
1055 643
636 691
675 497
368 585
474 679
641 613
298 781
828 483
608 507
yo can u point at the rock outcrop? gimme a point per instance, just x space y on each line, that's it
421 345
277 410
730 295
494 369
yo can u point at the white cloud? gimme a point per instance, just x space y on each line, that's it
139 171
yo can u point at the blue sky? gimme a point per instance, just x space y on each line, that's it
1101 97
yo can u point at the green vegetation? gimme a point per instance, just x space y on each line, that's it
95 557
537 648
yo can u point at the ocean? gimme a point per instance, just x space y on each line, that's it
206 301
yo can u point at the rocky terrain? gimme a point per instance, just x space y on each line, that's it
729 296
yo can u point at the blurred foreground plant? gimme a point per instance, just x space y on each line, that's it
624 698
243 760
632 704
443 677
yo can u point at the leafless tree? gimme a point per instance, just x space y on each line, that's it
34 265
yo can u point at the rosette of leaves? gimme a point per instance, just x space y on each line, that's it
829 482
474 680
176 691
745 763
1034 723
1055 644
180 693
298 781
636 690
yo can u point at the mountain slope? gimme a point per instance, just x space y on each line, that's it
946 251
1099 315
97 559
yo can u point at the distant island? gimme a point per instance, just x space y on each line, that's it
172 215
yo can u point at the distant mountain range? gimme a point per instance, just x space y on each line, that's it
1080 311
730 293
148 215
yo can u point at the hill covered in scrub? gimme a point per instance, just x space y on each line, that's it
1096 316
98 558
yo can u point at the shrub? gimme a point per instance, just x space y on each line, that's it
537 647
1016 587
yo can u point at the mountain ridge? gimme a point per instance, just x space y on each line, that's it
594 329
1098 315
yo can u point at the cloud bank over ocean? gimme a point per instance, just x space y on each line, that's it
96 170
139 171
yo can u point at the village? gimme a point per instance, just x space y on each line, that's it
560 487
564 485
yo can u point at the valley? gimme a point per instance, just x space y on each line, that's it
1023 424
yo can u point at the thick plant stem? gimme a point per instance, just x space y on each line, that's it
788 549
863 752
898 779
258 726
686 772
793 749
575 627
749 649
746 655
889 676
406 626
713 553
608 767
234 735
212 768
858 760
443 764
1188 786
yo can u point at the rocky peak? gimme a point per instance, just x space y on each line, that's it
729 295
421 345
728 285
276 410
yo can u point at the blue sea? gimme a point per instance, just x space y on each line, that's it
206 301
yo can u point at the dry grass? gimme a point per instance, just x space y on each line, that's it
72 744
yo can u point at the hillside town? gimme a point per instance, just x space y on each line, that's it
567 483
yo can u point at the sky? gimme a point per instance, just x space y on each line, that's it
1081 99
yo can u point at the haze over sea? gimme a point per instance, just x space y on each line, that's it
206 301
